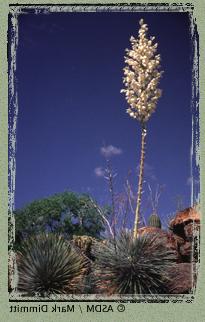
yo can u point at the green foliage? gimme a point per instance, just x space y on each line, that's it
47 264
65 213
154 221
137 266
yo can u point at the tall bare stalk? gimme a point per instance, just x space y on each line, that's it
140 182
110 178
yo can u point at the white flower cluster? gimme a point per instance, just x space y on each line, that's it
141 76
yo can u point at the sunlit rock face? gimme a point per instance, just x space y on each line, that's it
182 278
186 224
168 239
183 239
188 216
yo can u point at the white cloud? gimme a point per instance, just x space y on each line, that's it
110 150
99 172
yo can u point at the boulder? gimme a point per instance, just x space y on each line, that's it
189 216
84 243
149 229
191 229
182 278
168 239
186 224
186 251
189 251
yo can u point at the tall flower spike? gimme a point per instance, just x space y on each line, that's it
141 78
142 75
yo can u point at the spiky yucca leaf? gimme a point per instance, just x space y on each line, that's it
138 266
47 264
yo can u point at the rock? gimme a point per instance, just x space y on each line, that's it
188 216
186 225
190 230
182 278
84 243
168 239
149 229
186 251
189 251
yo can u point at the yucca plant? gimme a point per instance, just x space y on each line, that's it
141 77
138 266
48 264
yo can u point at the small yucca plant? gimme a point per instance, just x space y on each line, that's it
137 266
47 264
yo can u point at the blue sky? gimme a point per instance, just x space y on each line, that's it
69 72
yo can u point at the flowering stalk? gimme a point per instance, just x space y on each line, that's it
141 78
140 183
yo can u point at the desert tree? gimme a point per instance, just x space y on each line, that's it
141 78
67 213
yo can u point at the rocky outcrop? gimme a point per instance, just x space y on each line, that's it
183 238
185 216
185 222
186 225
168 239
84 243
182 278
